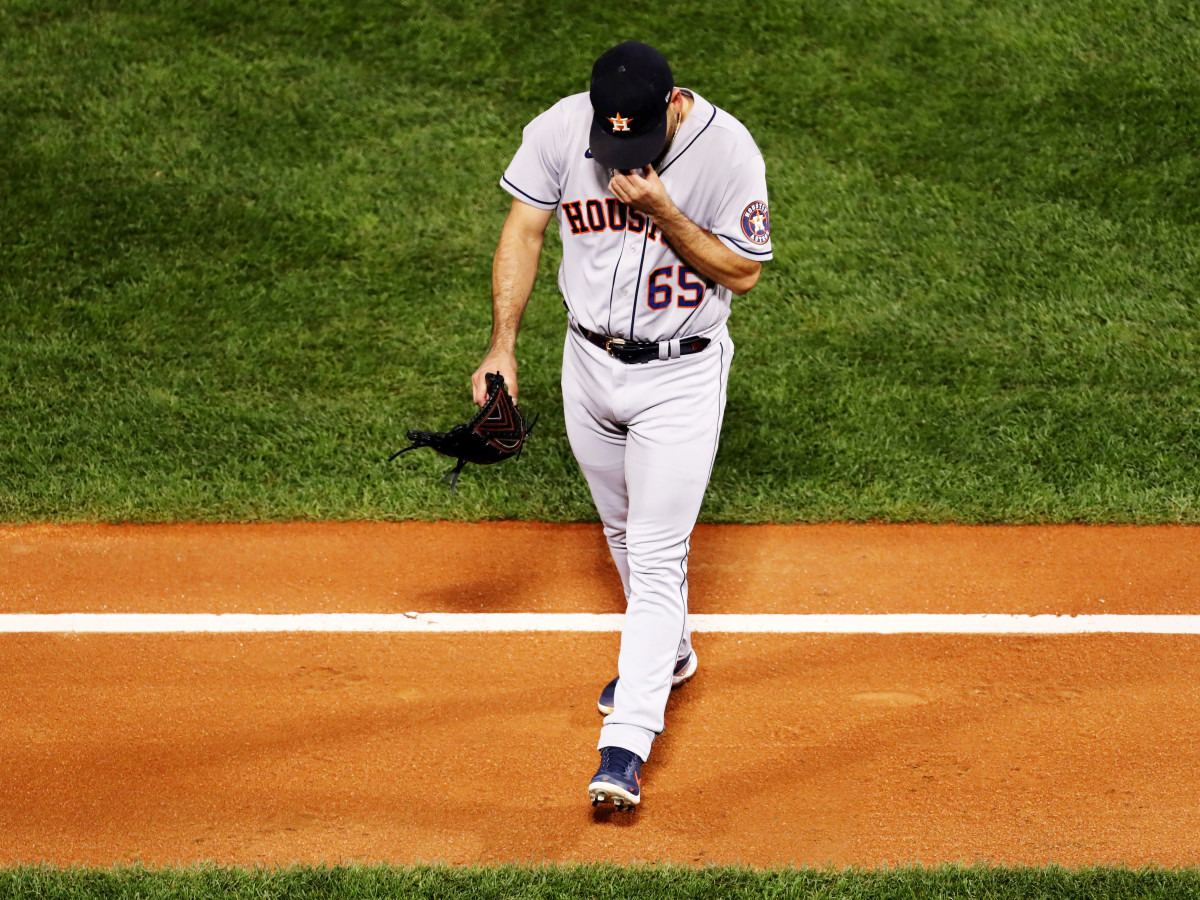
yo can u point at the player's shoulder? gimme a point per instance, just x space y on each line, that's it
566 112
723 128
557 130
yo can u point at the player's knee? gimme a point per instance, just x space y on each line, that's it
658 568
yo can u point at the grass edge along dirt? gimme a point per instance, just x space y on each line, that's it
365 882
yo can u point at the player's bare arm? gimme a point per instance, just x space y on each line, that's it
514 268
700 249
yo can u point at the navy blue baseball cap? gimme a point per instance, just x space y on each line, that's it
631 90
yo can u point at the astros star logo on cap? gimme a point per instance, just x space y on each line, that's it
618 123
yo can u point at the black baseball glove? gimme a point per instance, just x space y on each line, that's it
496 433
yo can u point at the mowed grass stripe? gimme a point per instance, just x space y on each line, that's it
247 246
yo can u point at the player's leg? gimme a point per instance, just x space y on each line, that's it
597 443
668 461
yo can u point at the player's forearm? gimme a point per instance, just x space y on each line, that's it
514 269
705 253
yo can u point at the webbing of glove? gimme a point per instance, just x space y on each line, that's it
499 422
495 433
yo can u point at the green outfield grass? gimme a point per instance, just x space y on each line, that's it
245 246
597 882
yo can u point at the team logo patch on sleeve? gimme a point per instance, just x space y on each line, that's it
756 222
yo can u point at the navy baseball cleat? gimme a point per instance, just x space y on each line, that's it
684 669
618 780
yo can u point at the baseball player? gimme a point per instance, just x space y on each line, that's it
661 201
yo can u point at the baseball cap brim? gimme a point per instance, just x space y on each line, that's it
628 151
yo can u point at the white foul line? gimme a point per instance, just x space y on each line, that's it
426 623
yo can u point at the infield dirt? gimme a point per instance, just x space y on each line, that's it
807 749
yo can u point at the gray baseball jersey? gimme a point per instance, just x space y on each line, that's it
645 434
618 276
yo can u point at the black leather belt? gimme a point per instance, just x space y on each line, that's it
643 351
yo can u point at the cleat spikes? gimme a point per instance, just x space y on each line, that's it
619 779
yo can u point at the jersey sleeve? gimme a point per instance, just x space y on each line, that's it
535 173
743 220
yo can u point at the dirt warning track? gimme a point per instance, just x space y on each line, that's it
807 749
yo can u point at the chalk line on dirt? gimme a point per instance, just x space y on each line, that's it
413 622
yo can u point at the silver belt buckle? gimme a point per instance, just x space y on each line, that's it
608 345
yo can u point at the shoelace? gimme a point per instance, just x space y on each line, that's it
617 757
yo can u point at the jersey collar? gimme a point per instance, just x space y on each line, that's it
693 126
